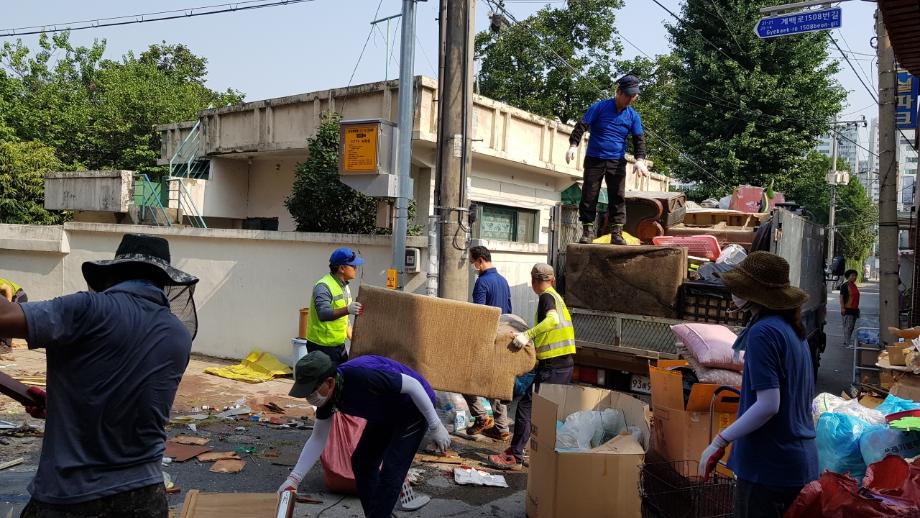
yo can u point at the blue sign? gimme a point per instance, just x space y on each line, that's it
798 23
908 90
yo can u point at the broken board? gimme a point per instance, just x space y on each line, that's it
452 344
237 505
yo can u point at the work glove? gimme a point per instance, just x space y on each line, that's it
440 437
39 410
570 154
291 483
641 167
711 456
520 340
356 308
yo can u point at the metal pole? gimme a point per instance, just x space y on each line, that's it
888 181
404 129
831 216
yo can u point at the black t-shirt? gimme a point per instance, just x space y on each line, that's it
546 304
370 394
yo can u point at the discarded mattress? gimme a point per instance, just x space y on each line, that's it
636 280
255 368
455 345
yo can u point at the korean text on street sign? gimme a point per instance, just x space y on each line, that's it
798 23
906 108
392 278
359 149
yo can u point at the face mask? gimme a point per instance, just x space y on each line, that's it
316 399
740 303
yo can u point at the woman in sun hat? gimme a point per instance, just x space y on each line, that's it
773 454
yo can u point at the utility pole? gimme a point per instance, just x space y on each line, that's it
831 216
888 181
455 95
404 139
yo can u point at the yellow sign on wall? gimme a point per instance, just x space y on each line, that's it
359 149
392 279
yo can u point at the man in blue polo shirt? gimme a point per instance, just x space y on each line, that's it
491 289
610 122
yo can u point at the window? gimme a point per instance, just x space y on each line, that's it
507 223
907 190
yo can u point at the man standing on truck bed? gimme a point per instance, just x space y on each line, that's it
554 340
610 122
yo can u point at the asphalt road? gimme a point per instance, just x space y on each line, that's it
836 370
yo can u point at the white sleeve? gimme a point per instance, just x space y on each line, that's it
314 447
416 391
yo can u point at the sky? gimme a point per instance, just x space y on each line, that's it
299 48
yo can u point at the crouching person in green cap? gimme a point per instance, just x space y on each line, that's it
398 405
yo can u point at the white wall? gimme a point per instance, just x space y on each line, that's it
270 182
514 261
226 190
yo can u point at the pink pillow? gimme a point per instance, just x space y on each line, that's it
710 345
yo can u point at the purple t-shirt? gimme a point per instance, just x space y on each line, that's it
371 389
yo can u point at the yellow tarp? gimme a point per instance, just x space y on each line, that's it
256 368
630 239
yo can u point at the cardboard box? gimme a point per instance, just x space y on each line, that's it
597 483
907 386
682 431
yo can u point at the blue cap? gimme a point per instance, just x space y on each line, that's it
629 85
345 256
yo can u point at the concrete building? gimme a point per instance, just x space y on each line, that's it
846 147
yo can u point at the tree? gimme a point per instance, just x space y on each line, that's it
751 108
319 202
22 182
530 64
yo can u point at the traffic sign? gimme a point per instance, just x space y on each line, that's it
799 23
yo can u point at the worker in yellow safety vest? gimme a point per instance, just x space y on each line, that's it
12 292
331 304
554 340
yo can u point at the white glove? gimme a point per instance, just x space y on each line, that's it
641 167
356 308
520 340
711 456
291 483
570 154
440 437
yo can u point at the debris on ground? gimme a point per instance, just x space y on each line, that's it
255 368
212 456
439 459
188 439
183 452
171 487
414 476
235 411
11 463
23 430
475 477
228 466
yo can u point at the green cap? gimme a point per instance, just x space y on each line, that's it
310 372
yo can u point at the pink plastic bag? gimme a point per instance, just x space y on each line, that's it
343 439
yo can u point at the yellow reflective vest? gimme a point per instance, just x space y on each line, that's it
333 332
11 284
561 340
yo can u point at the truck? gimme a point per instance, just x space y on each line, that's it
614 349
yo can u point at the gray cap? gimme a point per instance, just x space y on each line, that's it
543 272
310 372
629 85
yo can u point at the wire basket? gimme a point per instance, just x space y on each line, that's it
674 490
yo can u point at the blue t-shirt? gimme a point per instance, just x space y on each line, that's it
371 388
782 452
115 360
491 289
609 129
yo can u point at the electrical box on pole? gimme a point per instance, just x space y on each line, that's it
367 157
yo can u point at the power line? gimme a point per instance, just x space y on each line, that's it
157 16
853 68
361 55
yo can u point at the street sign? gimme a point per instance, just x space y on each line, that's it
799 23
359 148
906 109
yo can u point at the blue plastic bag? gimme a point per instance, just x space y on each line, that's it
894 404
838 444
523 383
876 444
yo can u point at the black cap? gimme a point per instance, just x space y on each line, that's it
629 85
310 371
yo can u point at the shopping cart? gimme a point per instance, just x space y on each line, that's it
865 357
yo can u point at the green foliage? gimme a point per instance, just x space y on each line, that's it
99 113
521 64
22 182
319 202
750 109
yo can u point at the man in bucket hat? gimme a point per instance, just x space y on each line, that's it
774 453
398 404
115 357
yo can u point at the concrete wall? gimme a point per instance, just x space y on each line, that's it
252 283
103 191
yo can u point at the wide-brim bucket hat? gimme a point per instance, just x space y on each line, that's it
138 255
763 278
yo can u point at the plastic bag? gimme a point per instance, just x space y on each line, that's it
732 255
855 409
838 444
523 383
877 444
589 429
867 336
893 404
336 458
825 402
